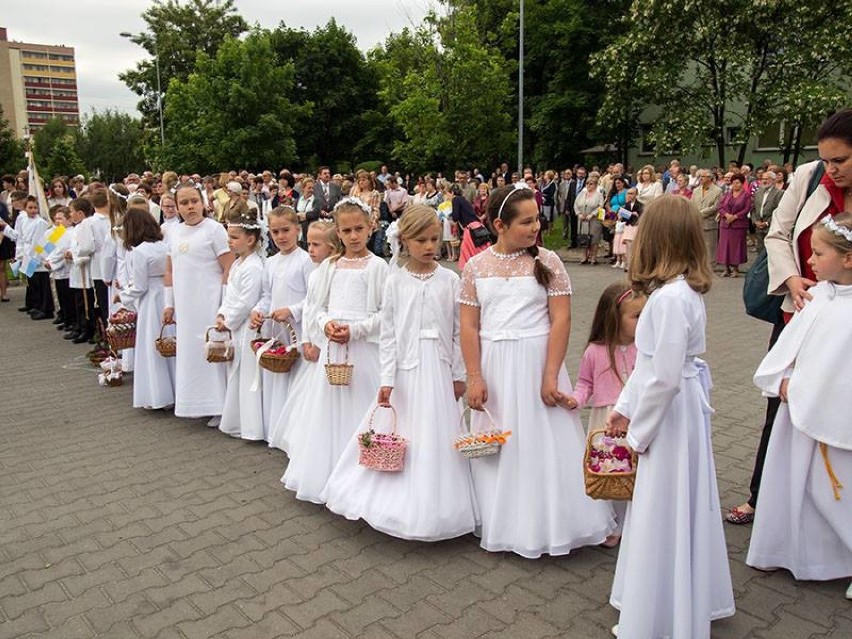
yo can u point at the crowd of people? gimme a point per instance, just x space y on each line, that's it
239 266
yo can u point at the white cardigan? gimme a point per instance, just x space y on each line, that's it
367 329
405 300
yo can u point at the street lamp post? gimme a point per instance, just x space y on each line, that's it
125 34
521 92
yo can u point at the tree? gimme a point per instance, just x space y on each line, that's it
450 103
110 144
45 138
63 159
233 110
333 77
717 72
11 149
174 36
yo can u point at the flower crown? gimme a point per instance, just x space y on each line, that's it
247 223
843 231
354 201
116 193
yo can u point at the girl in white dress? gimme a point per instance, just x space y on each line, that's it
515 321
322 241
242 413
285 285
349 289
672 577
196 272
153 375
804 522
422 378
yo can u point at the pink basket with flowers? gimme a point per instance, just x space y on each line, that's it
382 451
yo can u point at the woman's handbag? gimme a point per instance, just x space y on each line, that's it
758 302
584 234
479 234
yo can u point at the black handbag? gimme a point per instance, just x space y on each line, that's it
758 302
584 240
479 234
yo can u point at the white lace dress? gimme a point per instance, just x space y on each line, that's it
330 414
432 497
531 495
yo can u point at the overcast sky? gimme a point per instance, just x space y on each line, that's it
92 28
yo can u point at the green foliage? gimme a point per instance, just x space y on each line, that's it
63 160
176 32
12 157
712 67
45 138
110 144
370 165
233 110
333 77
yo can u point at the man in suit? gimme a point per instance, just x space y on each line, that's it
562 200
707 196
575 186
765 201
326 195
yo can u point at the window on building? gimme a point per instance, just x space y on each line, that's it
734 133
646 145
771 136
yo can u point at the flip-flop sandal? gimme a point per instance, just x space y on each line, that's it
739 517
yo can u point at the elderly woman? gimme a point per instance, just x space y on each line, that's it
682 187
733 227
586 207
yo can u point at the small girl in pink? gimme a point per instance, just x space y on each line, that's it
607 363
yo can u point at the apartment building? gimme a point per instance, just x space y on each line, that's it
37 82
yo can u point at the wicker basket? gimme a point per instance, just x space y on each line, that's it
382 451
166 346
277 362
219 351
608 485
121 330
338 374
482 443
111 374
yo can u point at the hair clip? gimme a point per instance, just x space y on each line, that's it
517 186
844 232
354 201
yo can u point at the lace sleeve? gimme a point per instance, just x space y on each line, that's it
467 294
560 284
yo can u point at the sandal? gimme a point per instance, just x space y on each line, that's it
585 261
739 517
611 541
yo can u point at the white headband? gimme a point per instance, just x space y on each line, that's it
829 223
355 201
517 186
116 193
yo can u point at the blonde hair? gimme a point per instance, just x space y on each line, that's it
416 220
287 212
652 173
835 240
669 242
329 230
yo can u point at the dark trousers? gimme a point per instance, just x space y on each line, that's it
66 300
772 405
39 296
102 299
570 219
85 310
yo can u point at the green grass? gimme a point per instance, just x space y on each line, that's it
553 238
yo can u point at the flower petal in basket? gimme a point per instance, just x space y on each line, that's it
481 443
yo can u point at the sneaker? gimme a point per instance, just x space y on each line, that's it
215 421
615 630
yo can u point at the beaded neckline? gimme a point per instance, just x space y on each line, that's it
355 259
421 276
506 256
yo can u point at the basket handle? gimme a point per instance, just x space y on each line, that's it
286 325
467 410
373 414
163 327
328 353
213 328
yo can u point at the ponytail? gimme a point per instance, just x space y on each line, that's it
542 272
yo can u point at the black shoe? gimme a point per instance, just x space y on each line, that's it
24 309
33 311
41 315
71 335
59 320
81 338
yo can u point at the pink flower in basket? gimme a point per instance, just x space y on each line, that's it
610 455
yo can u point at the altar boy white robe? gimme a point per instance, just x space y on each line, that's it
672 577
799 524
285 285
242 413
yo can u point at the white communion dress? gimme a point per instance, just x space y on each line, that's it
349 292
531 495
432 497
799 523
672 577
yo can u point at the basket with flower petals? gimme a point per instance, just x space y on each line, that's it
121 330
166 346
382 451
277 356
472 444
609 467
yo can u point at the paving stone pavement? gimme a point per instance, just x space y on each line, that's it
122 523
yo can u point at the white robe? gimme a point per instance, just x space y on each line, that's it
197 283
153 375
799 525
285 285
672 577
